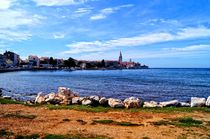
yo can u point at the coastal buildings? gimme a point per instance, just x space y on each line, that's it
12 59
33 61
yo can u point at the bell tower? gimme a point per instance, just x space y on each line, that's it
120 58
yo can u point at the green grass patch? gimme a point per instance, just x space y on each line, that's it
188 122
106 109
111 122
80 108
5 134
9 101
18 115
77 136
33 136
180 122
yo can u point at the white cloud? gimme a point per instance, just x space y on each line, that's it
82 11
15 23
10 19
107 11
200 47
58 2
8 35
58 35
145 39
6 4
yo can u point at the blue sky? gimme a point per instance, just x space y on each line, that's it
159 33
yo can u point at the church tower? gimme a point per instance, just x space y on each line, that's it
120 58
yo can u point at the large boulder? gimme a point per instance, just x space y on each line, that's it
53 98
197 102
171 103
150 104
87 101
115 103
103 101
95 100
184 104
66 93
75 100
208 102
40 99
132 102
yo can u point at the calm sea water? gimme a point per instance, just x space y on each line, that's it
149 84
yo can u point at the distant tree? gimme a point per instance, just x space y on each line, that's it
52 61
70 62
103 63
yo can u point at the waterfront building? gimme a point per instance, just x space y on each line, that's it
12 59
34 61
2 61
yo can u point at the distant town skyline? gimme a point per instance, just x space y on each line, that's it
158 33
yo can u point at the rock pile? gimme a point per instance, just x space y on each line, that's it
65 96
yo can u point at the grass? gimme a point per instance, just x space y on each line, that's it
180 122
18 115
106 109
115 123
188 122
9 101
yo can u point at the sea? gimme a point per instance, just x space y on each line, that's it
147 84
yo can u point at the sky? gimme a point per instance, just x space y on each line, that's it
158 33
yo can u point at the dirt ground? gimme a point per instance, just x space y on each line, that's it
53 122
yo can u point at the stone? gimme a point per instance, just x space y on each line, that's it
95 98
75 100
115 103
103 101
50 97
7 97
151 104
184 104
132 102
65 102
40 99
171 103
87 101
66 93
208 102
197 102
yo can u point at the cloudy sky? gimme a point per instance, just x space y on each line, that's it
159 33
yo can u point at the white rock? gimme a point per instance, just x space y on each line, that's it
197 102
150 104
184 104
75 100
103 101
169 103
40 99
132 102
95 98
66 93
87 101
208 102
7 97
115 103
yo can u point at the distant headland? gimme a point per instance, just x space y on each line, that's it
10 61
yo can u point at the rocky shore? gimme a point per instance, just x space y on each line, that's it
65 96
